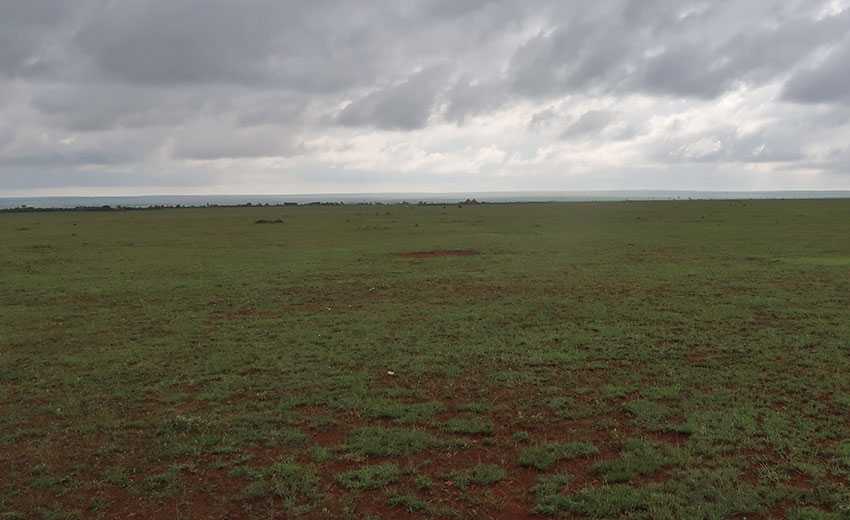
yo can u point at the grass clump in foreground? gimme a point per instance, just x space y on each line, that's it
844 452
370 477
401 412
469 426
547 493
544 456
638 458
382 442
297 485
410 503
480 474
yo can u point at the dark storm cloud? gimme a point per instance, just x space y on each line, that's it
133 83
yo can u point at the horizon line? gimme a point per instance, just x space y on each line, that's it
460 193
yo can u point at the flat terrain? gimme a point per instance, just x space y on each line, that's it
589 360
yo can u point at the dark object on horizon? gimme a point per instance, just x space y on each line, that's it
264 221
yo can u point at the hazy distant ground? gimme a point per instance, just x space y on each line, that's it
352 198
601 360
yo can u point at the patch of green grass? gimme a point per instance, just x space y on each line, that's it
726 427
638 458
826 261
548 499
204 339
370 477
648 413
844 452
662 392
297 485
712 493
410 503
544 456
480 474
375 441
323 422
811 513
162 484
117 476
475 407
569 408
615 501
320 454
423 482
55 483
616 391
58 514
401 412
469 425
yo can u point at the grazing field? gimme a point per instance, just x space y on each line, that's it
588 360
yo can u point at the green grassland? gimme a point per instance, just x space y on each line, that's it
632 360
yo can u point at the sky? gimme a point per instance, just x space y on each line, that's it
109 97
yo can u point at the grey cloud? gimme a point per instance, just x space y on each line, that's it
206 142
406 106
32 148
616 48
729 145
103 107
27 30
181 41
74 157
685 71
467 98
837 161
120 86
601 124
828 82
40 176
316 46
543 118
591 122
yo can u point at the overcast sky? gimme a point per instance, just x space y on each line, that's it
296 96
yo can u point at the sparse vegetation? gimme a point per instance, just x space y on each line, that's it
382 442
611 360
469 425
480 474
370 477
544 456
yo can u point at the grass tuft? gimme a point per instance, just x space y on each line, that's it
370 477
375 441
480 474
544 456
469 426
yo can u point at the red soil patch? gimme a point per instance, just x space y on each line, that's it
439 252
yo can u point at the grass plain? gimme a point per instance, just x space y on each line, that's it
680 359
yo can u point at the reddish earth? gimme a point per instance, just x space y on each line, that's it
439 252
